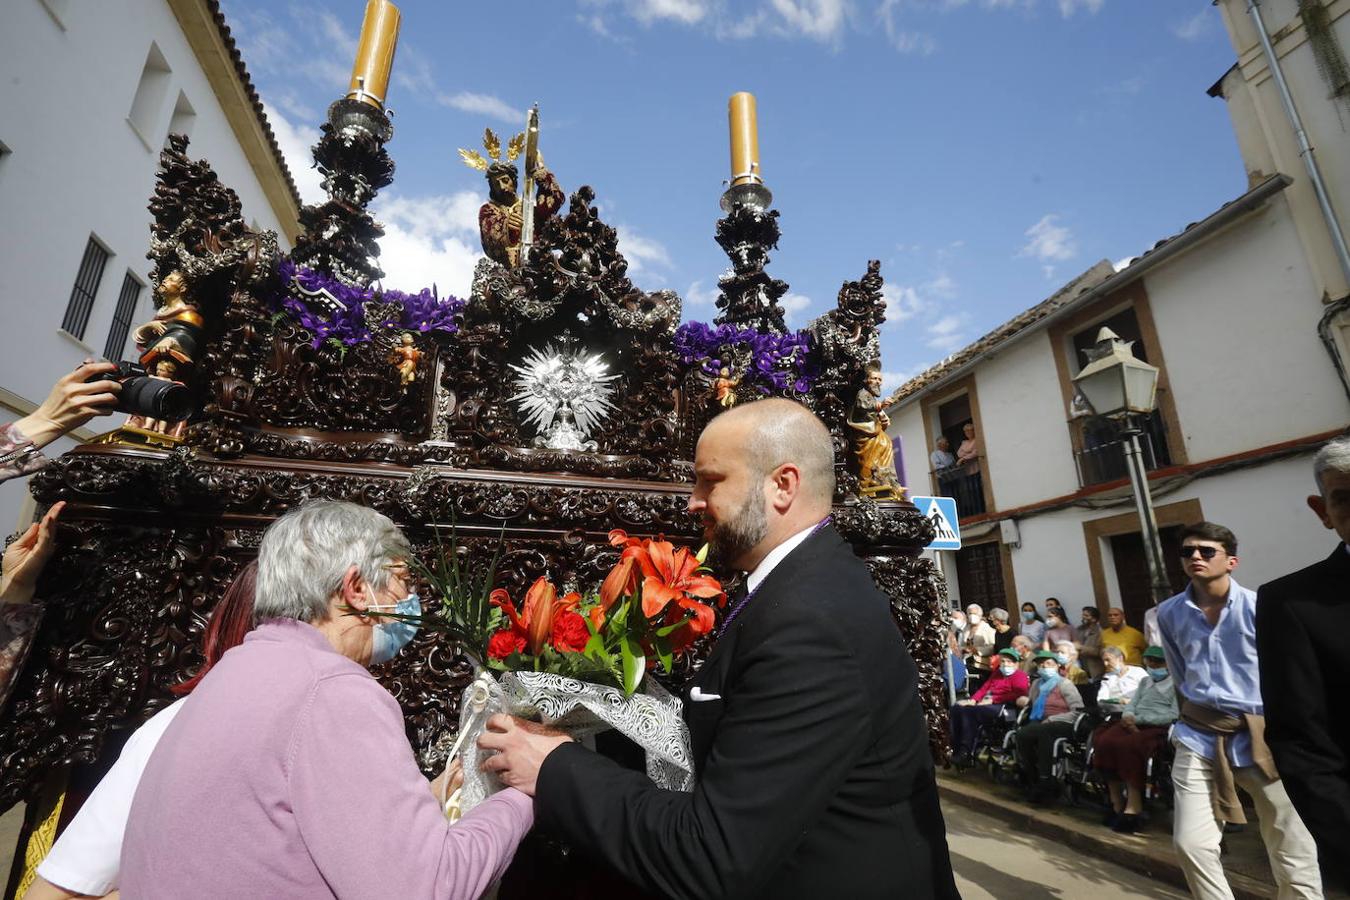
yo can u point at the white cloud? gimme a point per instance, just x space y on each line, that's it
483 105
643 253
429 241
901 39
686 12
821 20
1196 27
697 296
902 303
947 333
1049 242
742 29
1068 7
793 304
892 380
1122 263
295 142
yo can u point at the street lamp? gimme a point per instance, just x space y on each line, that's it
1117 385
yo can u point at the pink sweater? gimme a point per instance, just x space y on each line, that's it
288 774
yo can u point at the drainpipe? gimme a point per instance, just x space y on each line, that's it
1329 341
1305 149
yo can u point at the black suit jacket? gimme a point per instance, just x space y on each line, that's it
1303 646
814 775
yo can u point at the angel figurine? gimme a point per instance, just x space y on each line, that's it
725 386
405 358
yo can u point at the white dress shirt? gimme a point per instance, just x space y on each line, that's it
774 557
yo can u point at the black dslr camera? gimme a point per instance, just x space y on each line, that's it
144 395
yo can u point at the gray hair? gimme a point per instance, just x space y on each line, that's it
999 613
979 610
784 431
306 553
1333 457
1112 650
1068 649
1021 640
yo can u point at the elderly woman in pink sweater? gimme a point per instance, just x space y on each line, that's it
287 773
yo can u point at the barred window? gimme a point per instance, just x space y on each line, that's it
122 317
86 288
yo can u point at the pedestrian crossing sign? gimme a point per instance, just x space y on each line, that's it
941 511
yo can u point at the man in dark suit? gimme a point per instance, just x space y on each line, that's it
1303 645
809 743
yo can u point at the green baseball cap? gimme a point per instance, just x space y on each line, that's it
1155 653
1045 654
1010 653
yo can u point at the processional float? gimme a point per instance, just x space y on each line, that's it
555 403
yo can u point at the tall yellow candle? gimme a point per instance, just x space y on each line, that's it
375 54
744 140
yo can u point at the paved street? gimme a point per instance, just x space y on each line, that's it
993 860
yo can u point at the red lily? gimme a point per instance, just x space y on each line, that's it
542 603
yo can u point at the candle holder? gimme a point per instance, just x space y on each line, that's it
749 295
340 237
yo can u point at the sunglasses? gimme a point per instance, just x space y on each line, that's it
1188 550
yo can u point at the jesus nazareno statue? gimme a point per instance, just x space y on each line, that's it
499 220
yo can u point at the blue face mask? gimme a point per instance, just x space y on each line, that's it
1048 675
1157 674
1063 658
1007 669
390 635
1028 616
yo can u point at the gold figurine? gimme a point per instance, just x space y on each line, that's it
405 358
871 444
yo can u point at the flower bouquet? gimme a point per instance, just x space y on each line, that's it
577 661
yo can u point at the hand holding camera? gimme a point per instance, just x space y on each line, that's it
75 399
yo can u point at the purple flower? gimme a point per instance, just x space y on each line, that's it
423 311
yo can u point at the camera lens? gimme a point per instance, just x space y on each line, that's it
155 398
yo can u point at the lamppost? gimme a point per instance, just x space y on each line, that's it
1119 386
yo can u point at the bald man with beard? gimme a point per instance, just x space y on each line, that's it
809 742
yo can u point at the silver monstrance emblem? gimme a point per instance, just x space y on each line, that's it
564 393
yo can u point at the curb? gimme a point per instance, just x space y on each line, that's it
1138 854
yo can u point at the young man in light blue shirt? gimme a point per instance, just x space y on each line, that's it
1209 636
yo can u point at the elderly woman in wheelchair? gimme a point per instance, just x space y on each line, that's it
1123 749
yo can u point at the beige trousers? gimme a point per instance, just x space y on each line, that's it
1197 833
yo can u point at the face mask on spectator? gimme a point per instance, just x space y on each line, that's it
1007 669
391 635
1157 674
1048 673
1063 658
974 618
1028 616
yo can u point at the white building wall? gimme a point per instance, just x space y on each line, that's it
1237 321
1029 454
76 166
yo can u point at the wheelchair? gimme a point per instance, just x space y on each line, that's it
996 745
1157 774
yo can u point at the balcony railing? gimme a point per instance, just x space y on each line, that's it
966 489
1102 458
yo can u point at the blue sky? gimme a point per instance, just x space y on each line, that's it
985 150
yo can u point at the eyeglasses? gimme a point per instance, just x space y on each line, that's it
1188 550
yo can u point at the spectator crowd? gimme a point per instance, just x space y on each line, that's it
1225 688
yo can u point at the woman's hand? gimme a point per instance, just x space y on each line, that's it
1023 700
25 558
449 781
71 403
